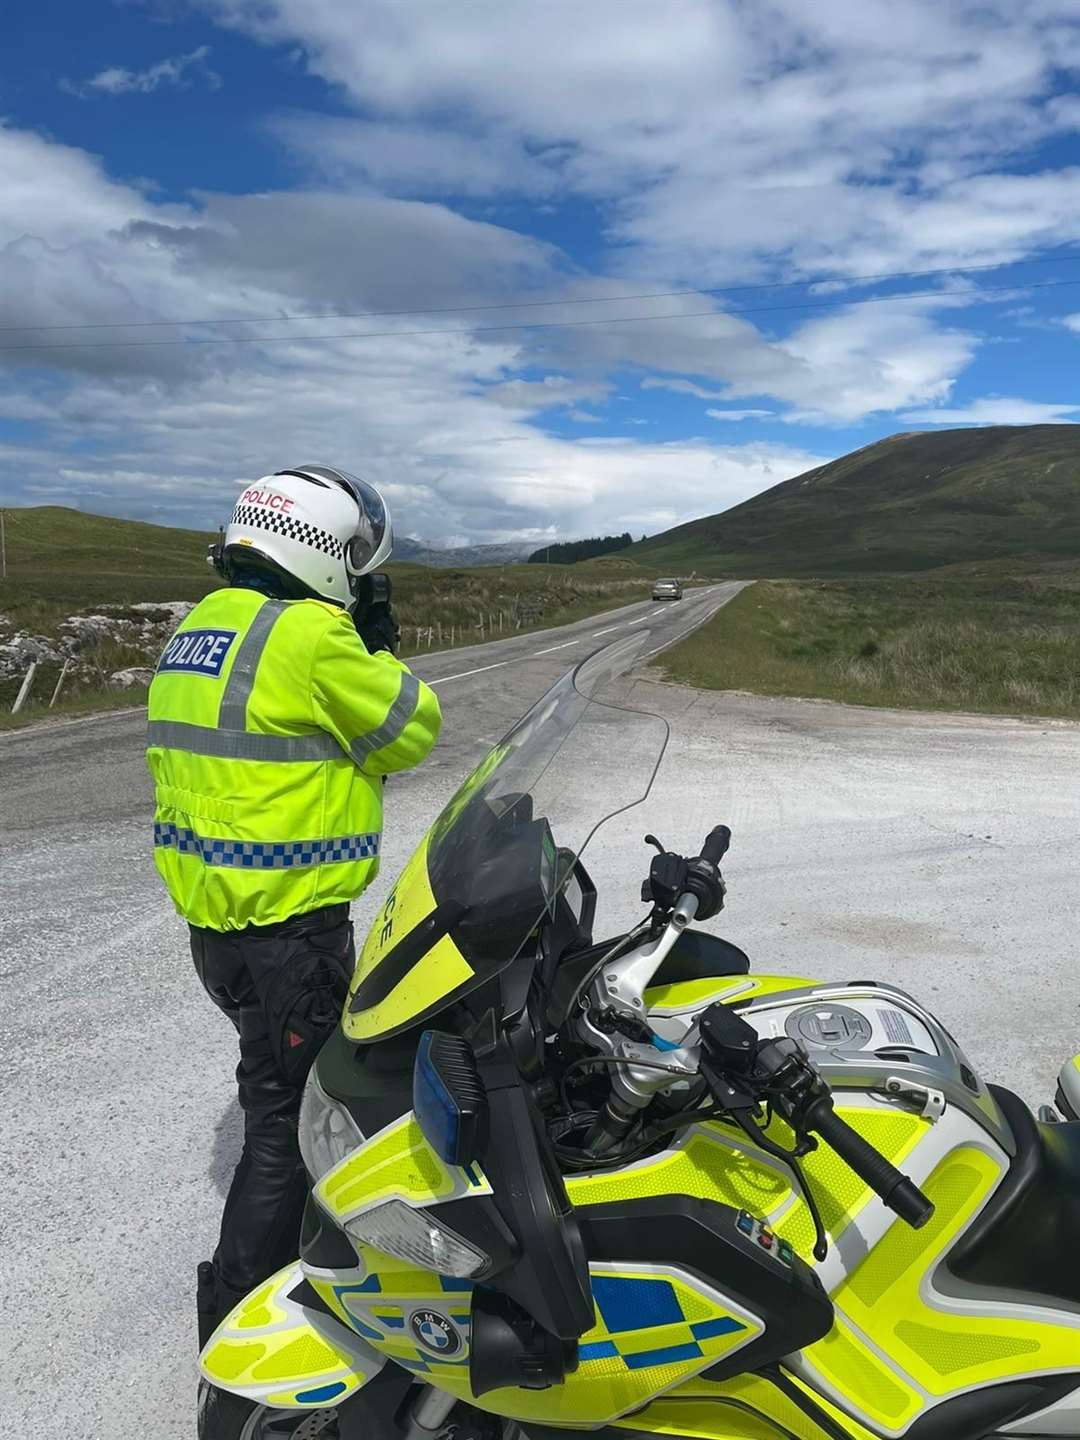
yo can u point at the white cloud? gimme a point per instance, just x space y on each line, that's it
730 140
554 391
738 414
727 143
174 73
997 410
413 159
442 421
681 387
1072 322
839 366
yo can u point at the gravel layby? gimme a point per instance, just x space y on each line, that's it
938 853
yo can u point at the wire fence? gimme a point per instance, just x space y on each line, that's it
486 626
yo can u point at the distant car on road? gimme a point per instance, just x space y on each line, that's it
667 589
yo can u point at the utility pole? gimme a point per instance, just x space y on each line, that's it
3 549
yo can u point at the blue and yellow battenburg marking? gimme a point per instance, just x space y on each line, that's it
420 1320
275 1350
629 1307
654 1327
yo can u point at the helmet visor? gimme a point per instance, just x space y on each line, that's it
374 538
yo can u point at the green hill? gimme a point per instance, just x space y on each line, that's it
57 554
62 561
911 502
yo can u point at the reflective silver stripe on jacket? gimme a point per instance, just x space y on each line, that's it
231 740
232 712
392 728
242 744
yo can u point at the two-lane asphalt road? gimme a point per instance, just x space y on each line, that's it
118 1123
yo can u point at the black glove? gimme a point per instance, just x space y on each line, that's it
379 630
373 616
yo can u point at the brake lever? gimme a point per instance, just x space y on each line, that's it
739 1067
791 1159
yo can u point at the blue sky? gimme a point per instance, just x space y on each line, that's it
710 181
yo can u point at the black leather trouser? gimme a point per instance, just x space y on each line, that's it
282 986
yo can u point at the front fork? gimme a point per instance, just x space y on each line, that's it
429 1413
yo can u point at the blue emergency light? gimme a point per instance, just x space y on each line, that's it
449 1099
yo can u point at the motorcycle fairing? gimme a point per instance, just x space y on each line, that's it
454 919
902 1345
656 1326
410 964
397 1163
746 1407
716 1162
943 1345
274 1349
687 997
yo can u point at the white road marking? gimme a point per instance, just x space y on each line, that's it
695 625
565 646
478 671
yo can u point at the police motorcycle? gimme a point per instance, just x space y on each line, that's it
629 1188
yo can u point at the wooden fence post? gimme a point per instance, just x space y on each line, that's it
24 688
60 680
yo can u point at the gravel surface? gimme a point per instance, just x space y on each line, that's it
939 853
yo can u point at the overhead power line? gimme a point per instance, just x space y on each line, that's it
878 277
972 298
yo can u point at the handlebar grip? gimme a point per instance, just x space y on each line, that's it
901 1195
716 845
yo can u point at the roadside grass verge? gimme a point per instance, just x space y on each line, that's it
465 607
993 644
86 702
83 693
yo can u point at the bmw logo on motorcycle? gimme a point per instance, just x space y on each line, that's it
435 1332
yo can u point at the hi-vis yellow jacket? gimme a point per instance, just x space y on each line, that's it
270 726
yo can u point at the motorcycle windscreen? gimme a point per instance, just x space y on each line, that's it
489 870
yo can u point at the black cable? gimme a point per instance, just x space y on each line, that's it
971 298
879 276
587 1060
582 1160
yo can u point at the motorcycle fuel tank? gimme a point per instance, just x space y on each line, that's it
862 1035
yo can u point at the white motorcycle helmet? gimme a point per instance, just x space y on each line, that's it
323 527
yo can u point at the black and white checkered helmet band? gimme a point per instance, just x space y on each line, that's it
261 518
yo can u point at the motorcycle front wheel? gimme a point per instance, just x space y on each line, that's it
224 1416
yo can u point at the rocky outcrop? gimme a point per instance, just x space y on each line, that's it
85 640
131 678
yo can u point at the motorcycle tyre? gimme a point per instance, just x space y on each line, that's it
224 1416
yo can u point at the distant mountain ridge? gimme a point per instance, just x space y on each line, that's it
421 552
37 528
911 502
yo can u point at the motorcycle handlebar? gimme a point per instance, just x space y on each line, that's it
901 1195
716 845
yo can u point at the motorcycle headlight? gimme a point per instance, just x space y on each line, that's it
328 1134
416 1237
326 1130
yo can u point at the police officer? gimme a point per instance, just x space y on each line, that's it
271 726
